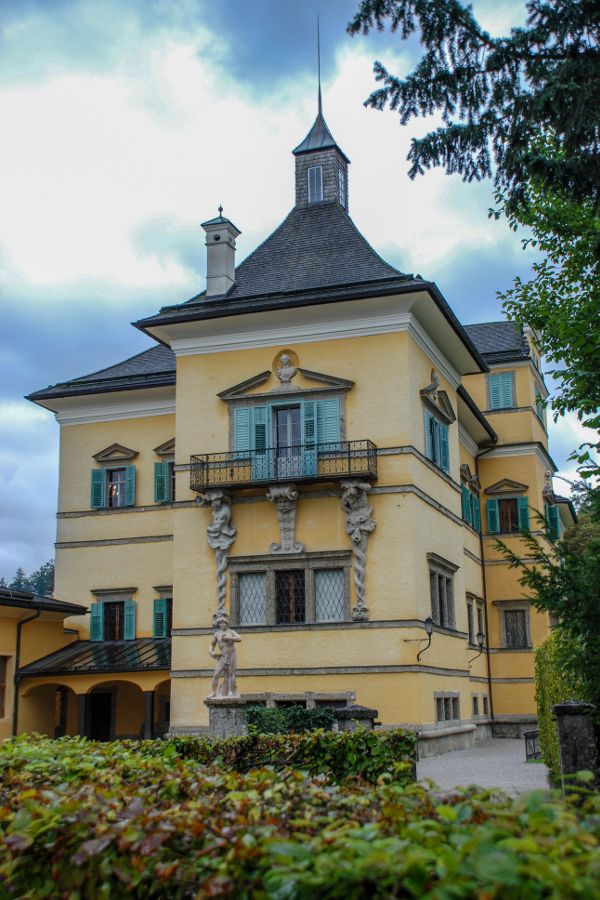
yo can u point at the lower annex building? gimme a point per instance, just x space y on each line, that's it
317 446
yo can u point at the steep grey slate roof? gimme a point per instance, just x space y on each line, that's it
318 138
150 368
499 341
317 246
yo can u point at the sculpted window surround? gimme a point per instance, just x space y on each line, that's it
261 588
441 583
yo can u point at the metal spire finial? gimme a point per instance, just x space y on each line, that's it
220 209
319 65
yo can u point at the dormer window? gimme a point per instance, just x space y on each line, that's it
315 184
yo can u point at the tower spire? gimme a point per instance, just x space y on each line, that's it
319 65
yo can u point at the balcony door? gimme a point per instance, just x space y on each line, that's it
288 442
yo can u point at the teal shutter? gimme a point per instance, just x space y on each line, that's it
161 482
501 390
160 618
310 431
241 429
97 622
507 389
259 435
129 485
98 489
466 503
493 517
553 518
428 418
328 421
476 512
523 507
444 458
129 623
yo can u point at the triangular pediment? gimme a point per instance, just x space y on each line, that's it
439 404
115 453
506 486
316 380
166 449
468 477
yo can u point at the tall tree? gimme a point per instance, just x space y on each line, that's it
20 581
523 109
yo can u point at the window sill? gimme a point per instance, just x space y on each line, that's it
527 649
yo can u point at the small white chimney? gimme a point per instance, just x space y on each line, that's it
220 255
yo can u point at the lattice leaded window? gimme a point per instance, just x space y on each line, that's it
252 589
515 628
329 595
290 597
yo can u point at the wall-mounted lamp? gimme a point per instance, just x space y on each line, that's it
480 643
428 632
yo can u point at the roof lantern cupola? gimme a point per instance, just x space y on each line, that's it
220 254
321 166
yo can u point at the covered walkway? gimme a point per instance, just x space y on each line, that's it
499 763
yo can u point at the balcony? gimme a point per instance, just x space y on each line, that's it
303 463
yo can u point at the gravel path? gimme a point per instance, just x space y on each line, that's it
493 763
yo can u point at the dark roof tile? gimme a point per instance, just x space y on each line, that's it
499 341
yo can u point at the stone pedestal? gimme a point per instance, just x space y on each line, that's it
576 736
226 717
349 718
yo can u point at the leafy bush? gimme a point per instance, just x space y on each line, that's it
555 682
286 719
122 820
337 754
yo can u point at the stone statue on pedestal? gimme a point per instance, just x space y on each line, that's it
286 371
359 525
222 648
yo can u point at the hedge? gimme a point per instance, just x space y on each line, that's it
85 820
337 754
554 683
288 719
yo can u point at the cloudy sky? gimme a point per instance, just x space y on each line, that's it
124 124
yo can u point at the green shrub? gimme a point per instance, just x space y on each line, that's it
337 754
554 683
288 719
131 820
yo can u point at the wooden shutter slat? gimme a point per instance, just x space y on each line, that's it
129 485
444 449
129 620
161 482
97 622
493 517
523 510
98 489
241 429
160 618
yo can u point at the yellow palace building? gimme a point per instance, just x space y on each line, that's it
316 446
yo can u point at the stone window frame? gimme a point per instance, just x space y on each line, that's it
309 563
475 709
444 702
509 606
439 566
477 604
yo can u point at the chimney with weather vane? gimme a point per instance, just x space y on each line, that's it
220 255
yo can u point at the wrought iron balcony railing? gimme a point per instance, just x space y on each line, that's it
317 462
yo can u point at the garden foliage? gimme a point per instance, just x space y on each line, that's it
555 682
134 820
288 719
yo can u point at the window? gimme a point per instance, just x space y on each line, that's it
553 521
342 186
475 705
436 441
441 576
252 589
447 707
315 184
515 628
471 510
112 619
475 619
266 591
3 682
112 488
164 481
484 701
501 390
508 514
162 617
